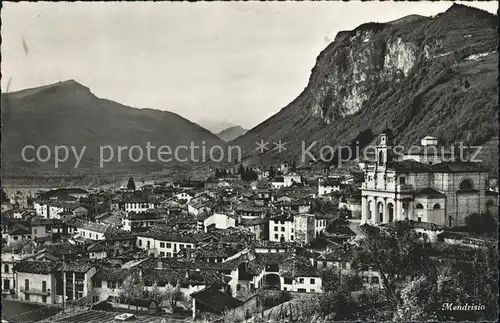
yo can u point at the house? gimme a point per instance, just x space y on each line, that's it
328 186
427 190
133 221
199 205
164 243
139 205
258 227
218 221
36 281
88 229
282 229
212 300
183 196
106 283
17 233
289 272
9 259
74 279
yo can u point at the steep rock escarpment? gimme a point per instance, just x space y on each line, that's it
418 76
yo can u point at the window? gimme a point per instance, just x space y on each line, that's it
291 238
162 244
402 180
188 246
34 231
301 280
436 206
466 184
276 236
181 246
419 219
301 290
6 268
169 245
162 254
419 206
149 244
313 281
140 242
97 283
112 284
44 299
288 281
375 280
95 299
44 286
312 291
169 255
283 229
275 228
365 279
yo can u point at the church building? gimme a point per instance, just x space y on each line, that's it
425 185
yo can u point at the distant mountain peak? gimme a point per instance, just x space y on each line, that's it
231 133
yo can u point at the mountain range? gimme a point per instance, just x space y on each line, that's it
67 113
417 76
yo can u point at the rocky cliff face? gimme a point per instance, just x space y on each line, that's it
417 75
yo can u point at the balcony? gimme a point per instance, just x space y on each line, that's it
34 291
404 188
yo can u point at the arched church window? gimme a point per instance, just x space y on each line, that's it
436 206
419 206
466 184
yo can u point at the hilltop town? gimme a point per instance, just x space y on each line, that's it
285 242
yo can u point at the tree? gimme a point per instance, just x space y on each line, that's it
157 296
484 223
396 253
241 170
132 289
131 184
330 281
173 295
415 301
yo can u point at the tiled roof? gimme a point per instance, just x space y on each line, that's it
79 266
113 274
430 192
216 300
35 267
253 222
118 234
168 235
88 316
19 230
89 225
444 167
297 267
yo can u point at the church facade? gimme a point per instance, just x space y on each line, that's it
421 187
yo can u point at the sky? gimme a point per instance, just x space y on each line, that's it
232 62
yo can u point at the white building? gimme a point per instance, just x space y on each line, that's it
164 244
219 221
443 193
